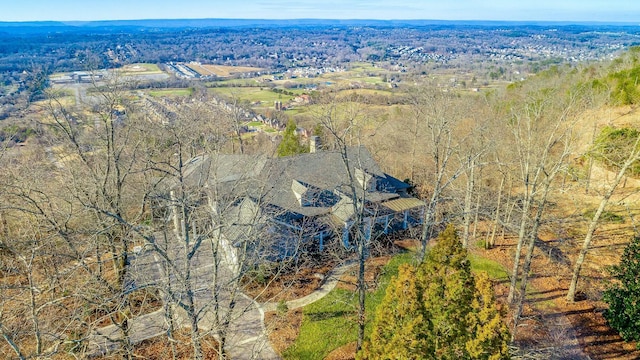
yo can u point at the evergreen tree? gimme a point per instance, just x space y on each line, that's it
489 334
290 144
399 323
448 286
438 310
624 297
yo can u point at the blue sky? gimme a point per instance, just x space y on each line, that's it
550 10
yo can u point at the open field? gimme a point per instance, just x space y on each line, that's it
139 69
171 92
367 67
221 70
339 80
252 94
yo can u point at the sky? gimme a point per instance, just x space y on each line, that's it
509 10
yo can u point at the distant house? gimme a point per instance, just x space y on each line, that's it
301 201
302 99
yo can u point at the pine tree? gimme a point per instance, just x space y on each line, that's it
448 286
438 310
489 334
399 322
290 144
624 297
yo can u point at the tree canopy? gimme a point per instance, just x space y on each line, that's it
290 144
438 310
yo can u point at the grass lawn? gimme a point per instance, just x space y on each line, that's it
139 69
364 67
331 322
492 268
297 110
252 94
233 82
142 66
498 273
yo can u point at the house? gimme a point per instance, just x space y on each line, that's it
301 201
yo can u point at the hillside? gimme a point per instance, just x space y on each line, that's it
101 205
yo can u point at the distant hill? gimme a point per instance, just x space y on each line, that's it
110 25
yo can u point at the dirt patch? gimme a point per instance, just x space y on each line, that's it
290 285
161 348
372 269
283 329
407 244
145 301
551 326
346 352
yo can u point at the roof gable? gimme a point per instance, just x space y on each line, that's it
310 184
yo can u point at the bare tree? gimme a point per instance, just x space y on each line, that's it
213 229
345 122
234 111
436 116
632 157
471 159
44 265
542 132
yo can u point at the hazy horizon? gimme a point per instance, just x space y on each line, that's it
621 11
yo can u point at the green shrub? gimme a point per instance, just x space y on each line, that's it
612 147
282 308
623 296
607 216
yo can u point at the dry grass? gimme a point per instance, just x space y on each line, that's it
161 348
221 70
346 352
289 285
283 330
372 270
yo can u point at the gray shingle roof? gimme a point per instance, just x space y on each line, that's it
273 180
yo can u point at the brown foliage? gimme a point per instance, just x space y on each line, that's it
283 330
160 348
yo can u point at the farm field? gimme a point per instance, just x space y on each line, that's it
221 70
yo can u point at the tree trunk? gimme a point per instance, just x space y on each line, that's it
361 291
12 344
526 266
467 204
195 330
427 223
492 239
633 157
521 237
32 298
509 207
476 216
